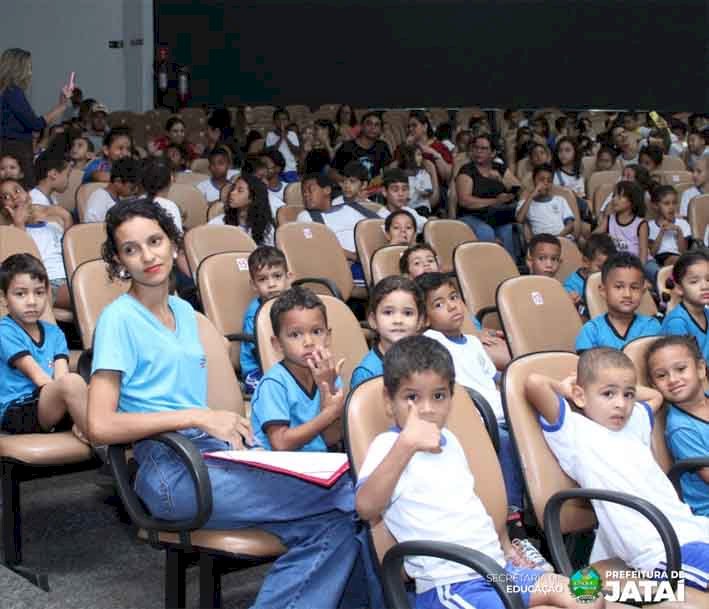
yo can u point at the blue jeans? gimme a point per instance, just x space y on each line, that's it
485 232
328 560
511 468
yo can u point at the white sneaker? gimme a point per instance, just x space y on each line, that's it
529 554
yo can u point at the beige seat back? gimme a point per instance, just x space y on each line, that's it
601 177
82 242
293 194
92 291
82 197
698 216
313 251
288 213
596 304
191 177
67 199
366 418
570 198
369 237
674 177
225 291
200 166
670 296
385 262
672 163
537 315
192 204
214 210
347 340
600 196
480 268
208 239
444 236
571 259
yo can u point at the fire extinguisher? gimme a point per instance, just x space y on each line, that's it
183 86
162 74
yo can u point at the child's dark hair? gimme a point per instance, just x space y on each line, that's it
397 283
127 170
19 264
89 144
687 260
47 162
654 153
444 131
393 215
675 340
258 213
355 169
543 168
276 157
266 256
280 110
542 238
252 164
605 149
115 133
157 175
172 121
395 176
416 354
407 157
404 260
632 192
661 191
621 260
428 282
297 297
328 125
322 180
420 116
577 157
598 243
592 361
217 152
134 208
642 177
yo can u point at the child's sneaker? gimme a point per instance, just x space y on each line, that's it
526 555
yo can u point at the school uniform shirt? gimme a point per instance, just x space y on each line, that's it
575 183
576 283
279 192
39 198
210 191
371 365
99 164
597 457
100 201
48 239
341 220
280 399
693 158
275 203
15 343
626 162
420 220
679 322
435 499
272 138
248 361
626 236
687 196
161 369
548 215
268 238
669 240
473 367
339 200
687 437
419 185
172 209
599 332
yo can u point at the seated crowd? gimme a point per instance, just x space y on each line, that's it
522 187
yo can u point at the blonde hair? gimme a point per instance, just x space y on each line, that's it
15 69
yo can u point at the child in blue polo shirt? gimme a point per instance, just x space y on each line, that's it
677 369
690 317
594 253
396 310
299 401
622 286
38 389
268 269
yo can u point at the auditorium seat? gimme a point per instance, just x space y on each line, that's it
82 242
369 237
385 262
208 239
443 236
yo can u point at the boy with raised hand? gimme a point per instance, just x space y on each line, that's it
543 211
396 193
269 274
622 287
416 476
598 424
299 401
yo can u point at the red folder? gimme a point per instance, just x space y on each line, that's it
323 469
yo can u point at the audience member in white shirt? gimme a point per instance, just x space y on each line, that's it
220 174
286 142
125 179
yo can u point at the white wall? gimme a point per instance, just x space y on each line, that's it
73 35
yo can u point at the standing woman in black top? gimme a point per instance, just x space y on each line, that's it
17 118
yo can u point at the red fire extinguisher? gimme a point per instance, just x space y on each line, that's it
183 86
162 74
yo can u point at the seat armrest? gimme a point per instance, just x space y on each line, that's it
393 585
240 337
488 417
685 466
480 315
555 540
330 285
193 460
83 366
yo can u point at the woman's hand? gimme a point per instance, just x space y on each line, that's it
504 197
228 426
65 95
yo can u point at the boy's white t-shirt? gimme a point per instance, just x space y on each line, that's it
39 198
435 499
420 220
473 368
687 197
419 185
341 220
597 457
272 139
574 183
100 201
279 192
171 208
275 204
547 216
48 239
210 191
669 240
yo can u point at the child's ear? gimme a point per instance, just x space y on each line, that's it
579 396
276 344
372 320
528 260
388 405
105 151
289 277
602 290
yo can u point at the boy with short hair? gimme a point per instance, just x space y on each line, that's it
396 193
353 185
543 211
38 389
594 254
299 401
81 152
117 144
598 424
269 274
126 175
544 255
622 287
697 147
700 178
275 164
52 173
220 174
417 478
286 141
